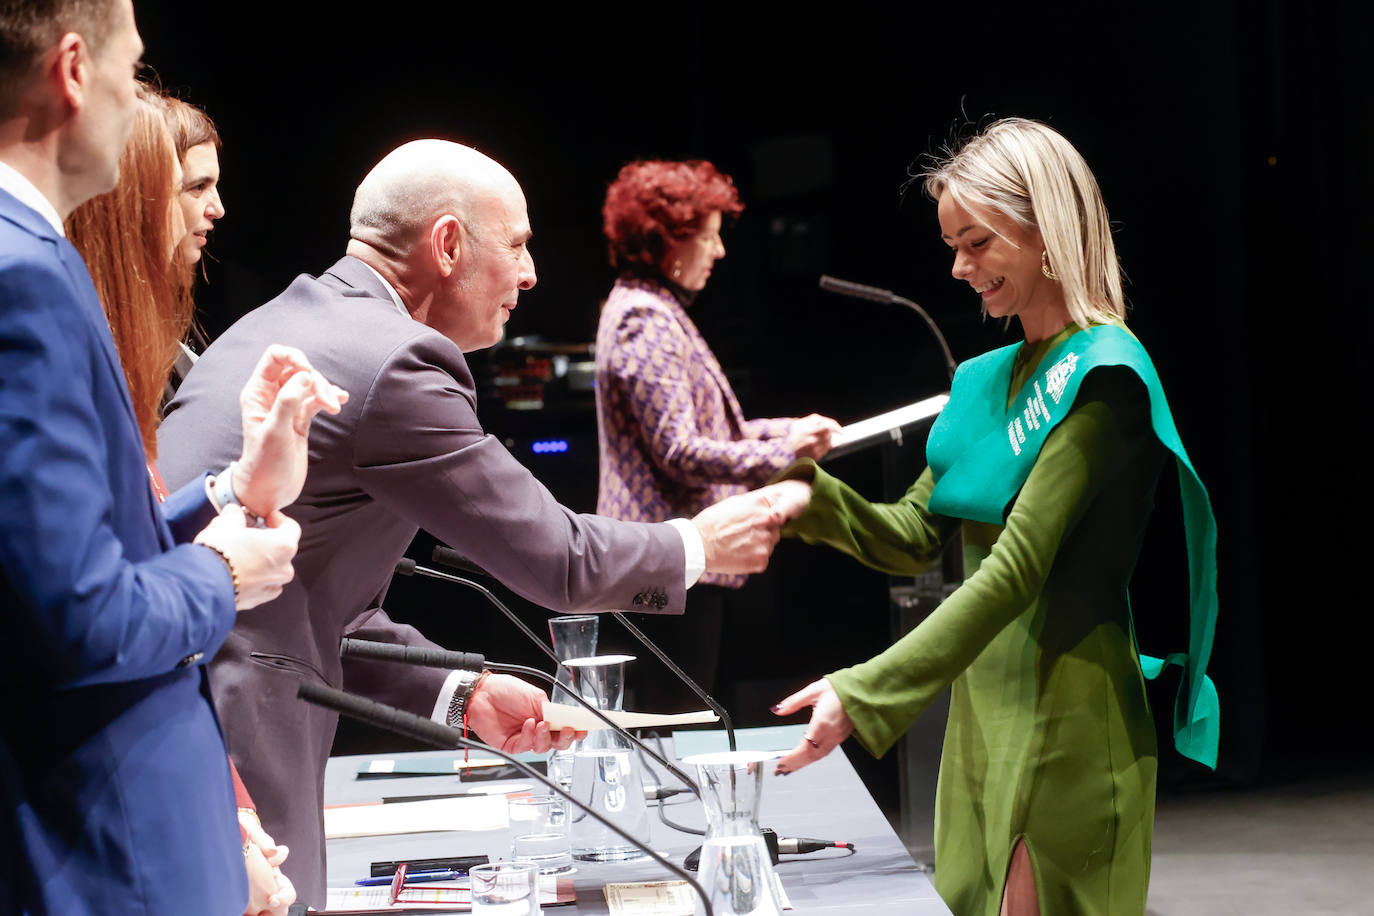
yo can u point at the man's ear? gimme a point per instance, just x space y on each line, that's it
69 70
446 241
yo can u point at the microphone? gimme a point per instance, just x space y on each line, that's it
408 567
470 661
887 297
412 726
411 655
445 556
682 676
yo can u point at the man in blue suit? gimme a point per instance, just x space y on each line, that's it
115 795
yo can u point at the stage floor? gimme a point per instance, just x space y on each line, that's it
1300 848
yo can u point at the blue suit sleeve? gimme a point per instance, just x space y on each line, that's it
188 511
89 593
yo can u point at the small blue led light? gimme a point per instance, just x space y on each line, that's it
549 446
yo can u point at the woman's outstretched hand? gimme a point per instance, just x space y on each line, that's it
829 725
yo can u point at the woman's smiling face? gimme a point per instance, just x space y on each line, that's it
1003 267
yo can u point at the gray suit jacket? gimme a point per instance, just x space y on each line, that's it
406 452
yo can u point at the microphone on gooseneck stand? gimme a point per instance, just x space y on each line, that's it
422 729
682 676
445 556
408 567
887 297
471 661
411 655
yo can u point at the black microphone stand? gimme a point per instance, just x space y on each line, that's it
692 685
448 557
421 729
875 294
408 567
471 661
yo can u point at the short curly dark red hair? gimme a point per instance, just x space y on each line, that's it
653 203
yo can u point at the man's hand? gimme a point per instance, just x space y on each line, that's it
260 557
829 725
789 497
278 404
810 436
507 713
739 532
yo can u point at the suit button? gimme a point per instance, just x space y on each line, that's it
660 600
190 660
641 599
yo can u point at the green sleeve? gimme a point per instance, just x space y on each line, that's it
1109 424
900 538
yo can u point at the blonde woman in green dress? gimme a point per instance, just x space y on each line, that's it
1046 458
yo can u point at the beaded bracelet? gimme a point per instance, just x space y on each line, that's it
233 573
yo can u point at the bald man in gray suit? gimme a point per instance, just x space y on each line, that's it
437 256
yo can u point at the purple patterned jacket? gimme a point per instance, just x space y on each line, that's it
673 439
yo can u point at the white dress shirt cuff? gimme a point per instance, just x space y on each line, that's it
693 546
441 705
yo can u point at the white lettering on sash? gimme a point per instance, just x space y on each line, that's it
1017 434
1035 408
1058 375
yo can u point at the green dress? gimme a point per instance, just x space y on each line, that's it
1050 737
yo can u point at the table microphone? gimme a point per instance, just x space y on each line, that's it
471 661
408 567
446 556
421 729
887 297
692 685
411 655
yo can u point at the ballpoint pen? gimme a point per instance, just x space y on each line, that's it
446 874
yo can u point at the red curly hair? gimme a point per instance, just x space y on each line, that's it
653 203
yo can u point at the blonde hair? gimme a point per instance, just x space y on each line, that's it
1028 173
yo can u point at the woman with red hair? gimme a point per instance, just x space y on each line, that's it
129 238
673 438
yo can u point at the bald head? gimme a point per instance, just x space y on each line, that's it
416 184
447 227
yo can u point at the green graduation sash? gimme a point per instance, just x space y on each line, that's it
981 453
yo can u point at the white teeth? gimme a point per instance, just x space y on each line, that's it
993 285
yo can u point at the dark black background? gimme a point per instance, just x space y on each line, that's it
1231 144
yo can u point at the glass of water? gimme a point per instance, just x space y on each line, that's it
505 889
539 833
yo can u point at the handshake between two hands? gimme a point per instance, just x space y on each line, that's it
740 532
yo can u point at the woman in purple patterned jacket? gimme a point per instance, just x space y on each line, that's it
673 439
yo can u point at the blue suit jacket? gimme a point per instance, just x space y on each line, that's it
113 777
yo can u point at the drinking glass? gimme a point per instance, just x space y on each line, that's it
539 833
505 889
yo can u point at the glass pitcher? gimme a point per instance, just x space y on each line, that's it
606 776
735 868
573 636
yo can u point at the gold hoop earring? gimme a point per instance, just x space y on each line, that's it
677 269
1045 265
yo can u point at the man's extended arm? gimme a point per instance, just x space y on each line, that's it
421 450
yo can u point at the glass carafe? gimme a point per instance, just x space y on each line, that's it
735 868
573 636
605 774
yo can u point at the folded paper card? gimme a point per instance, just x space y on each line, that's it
560 716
